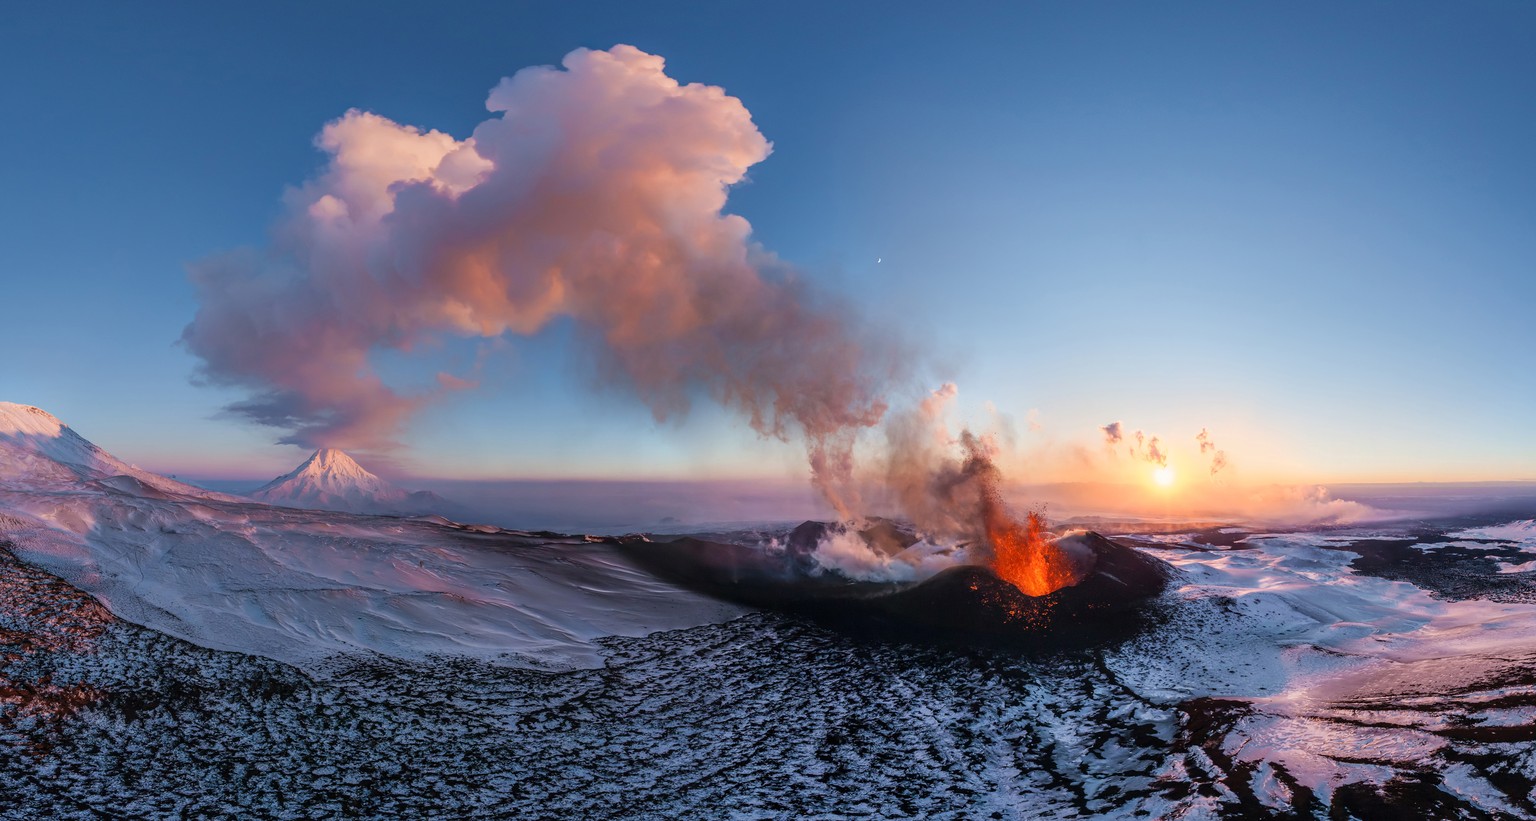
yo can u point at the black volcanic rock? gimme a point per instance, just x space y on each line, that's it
726 571
973 600
969 602
802 541
882 535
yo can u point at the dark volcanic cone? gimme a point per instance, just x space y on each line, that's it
972 599
968 602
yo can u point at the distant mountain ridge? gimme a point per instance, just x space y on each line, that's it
37 450
331 480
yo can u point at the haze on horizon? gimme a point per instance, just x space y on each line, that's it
1311 241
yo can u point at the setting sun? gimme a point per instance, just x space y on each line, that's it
1163 476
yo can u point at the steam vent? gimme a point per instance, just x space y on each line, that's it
966 602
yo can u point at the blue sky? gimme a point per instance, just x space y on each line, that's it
1306 227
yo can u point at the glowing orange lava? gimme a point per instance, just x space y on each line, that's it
1021 553
1025 558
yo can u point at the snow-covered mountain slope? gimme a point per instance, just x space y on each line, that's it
331 480
304 586
39 451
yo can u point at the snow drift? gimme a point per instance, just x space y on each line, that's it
305 586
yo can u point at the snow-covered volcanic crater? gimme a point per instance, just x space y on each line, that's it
168 651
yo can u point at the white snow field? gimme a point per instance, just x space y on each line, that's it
301 586
1522 533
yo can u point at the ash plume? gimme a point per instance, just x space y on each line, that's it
1149 449
951 489
1208 445
925 473
1018 550
1113 433
595 193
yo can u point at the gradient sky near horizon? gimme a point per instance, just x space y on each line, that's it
1309 227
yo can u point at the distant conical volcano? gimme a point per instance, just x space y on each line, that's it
331 480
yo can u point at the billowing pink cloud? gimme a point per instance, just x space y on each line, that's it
596 192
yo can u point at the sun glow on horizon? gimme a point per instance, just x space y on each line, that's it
1163 476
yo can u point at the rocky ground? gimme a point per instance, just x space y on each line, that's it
764 716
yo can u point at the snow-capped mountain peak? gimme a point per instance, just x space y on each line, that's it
333 465
37 432
16 418
331 480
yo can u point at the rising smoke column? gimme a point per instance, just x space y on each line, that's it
1208 445
951 489
1019 551
595 193
1114 433
1146 449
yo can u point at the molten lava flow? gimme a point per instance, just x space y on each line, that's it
1020 552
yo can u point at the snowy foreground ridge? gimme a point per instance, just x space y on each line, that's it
228 658
302 586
